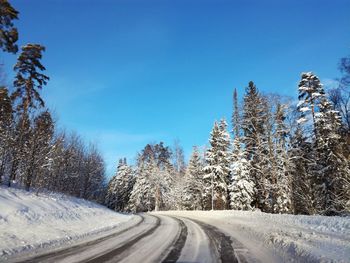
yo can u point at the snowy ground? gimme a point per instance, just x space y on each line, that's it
57 228
282 238
29 222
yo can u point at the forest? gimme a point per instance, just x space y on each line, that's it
280 155
33 152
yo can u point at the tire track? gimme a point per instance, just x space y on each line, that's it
61 253
111 254
175 253
221 242
197 247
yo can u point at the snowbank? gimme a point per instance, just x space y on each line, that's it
288 237
29 222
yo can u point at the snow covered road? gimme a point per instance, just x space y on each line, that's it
152 238
209 236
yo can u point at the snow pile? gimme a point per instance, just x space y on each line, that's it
288 237
29 221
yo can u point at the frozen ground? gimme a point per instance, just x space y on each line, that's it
282 238
57 228
30 222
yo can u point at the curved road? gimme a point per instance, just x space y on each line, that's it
154 238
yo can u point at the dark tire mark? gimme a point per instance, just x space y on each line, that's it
175 253
115 252
221 242
73 250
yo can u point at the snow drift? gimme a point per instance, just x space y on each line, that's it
29 221
282 238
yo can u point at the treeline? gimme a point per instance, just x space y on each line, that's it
32 152
279 157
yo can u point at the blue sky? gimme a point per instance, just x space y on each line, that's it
126 73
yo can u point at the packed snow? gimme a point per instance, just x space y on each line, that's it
29 221
282 238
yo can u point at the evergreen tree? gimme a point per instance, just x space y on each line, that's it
332 189
282 202
217 167
8 33
154 180
192 194
6 121
255 139
329 166
302 189
120 187
235 115
143 194
242 185
28 81
39 148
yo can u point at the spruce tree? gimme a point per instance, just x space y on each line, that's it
329 166
143 194
302 188
120 187
217 169
332 180
192 193
242 185
255 139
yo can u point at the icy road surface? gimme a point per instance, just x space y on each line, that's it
153 237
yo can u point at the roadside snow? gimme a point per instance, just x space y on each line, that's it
282 238
29 221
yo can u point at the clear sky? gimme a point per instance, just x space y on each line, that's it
126 73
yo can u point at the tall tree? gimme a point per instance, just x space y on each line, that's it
282 203
8 33
28 81
217 169
255 139
120 187
6 126
242 184
333 174
40 146
193 191
235 115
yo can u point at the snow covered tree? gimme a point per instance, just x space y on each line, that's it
310 91
28 81
143 194
282 200
193 191
120 187
39 145
333 176
242 185
217 169
6 126
255 139
154 180
302 188
329 170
